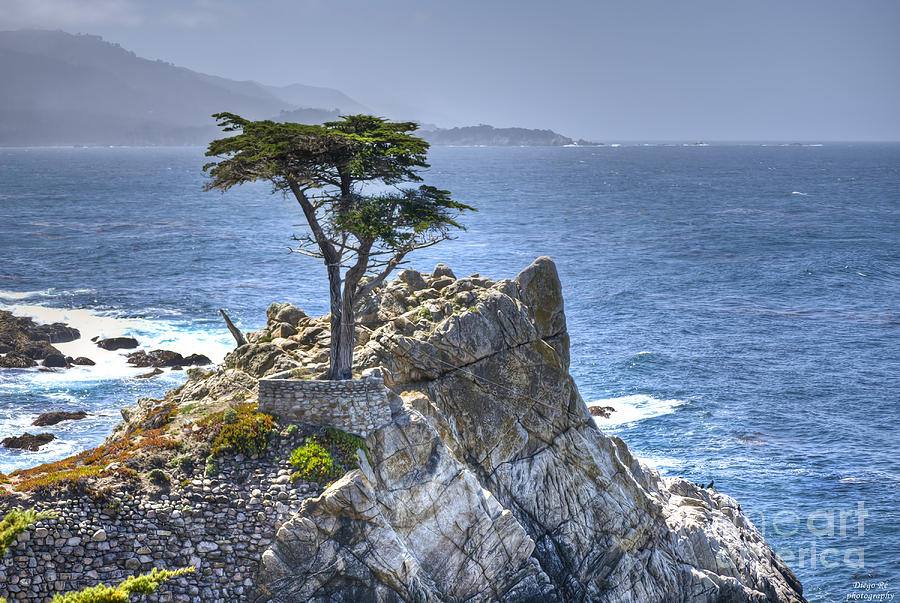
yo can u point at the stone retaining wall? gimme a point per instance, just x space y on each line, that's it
356 406
220 524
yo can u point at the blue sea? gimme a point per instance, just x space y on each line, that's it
739 305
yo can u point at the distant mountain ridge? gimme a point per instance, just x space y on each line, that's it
63 89
60 89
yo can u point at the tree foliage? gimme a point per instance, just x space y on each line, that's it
346 176
143 584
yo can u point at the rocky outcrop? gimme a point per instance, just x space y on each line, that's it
487 480
27 441
165 358
417 526
52 418
117 343
494 483
23 342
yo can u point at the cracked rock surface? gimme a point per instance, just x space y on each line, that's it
492 482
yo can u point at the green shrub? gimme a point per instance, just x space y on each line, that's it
158 476
230 417
313 463
210 468
185 463
248 434
292 430
17 521
345 445
143 584
324 459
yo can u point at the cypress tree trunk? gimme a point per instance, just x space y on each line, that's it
346 341
334 289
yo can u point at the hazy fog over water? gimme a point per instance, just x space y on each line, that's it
636 70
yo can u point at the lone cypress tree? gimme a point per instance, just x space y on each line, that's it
346 176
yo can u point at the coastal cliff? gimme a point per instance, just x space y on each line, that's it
486 480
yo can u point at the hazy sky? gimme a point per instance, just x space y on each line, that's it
623 70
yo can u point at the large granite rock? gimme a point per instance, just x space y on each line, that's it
493 481
417 526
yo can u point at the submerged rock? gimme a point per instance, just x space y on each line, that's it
28 441
52 418
153 373
83 361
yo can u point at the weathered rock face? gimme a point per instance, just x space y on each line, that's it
417 527
493 481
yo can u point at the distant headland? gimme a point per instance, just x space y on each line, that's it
61 89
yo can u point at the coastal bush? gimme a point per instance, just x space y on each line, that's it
345 445
248 434
292 430
324 459
312 462
17 521
230 417
184 462
158 476
93 463
143 584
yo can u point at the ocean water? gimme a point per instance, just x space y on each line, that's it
739 305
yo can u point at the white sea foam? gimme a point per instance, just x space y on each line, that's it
662 464
151 334
631 409
799 193
52 292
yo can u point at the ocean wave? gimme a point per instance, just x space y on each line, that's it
178 336
634 408
51 292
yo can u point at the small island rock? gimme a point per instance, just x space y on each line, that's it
52 418
118 343
28 441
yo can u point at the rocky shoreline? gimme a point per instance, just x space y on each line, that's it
489 481
25 344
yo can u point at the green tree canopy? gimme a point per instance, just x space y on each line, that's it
346 176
